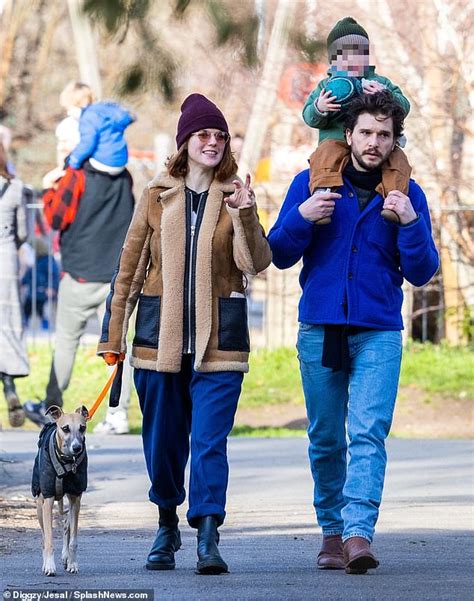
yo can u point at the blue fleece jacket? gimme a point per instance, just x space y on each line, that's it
353 268
101 127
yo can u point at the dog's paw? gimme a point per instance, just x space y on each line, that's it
49 567
72 568
65 558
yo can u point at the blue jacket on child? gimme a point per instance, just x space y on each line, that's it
353 268
101 127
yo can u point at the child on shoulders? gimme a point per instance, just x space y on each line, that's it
349 74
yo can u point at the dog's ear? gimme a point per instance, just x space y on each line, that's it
54 411
83 411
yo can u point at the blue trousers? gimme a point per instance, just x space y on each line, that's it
175 408
347 494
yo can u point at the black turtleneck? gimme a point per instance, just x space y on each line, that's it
364 183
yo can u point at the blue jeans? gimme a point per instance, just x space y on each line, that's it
176 406
347 494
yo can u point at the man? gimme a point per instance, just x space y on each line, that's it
92 209
349 340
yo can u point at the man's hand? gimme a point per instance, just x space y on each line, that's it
370 86
51 178
400 204
113 358
326 104
319 205
243 196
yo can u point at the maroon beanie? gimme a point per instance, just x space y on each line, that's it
197 112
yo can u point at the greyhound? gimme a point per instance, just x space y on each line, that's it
60 469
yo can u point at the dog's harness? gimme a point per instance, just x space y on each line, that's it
55 474
63 464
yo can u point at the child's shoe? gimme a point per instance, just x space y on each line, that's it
16 414
36 412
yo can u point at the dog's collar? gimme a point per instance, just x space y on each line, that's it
63 464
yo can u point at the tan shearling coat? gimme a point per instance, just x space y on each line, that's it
151 270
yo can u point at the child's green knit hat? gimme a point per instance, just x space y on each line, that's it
344 33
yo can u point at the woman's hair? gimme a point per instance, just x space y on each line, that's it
76 94
4 163
177 165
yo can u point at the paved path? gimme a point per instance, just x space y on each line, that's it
270 539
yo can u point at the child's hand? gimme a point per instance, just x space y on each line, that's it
400 204
325 102
370 86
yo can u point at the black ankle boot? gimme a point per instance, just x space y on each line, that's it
16 414
167 542
209 558
9 388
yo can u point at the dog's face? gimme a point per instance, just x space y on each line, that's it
71 429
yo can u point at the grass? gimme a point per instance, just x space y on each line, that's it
273 379
441 369
267 432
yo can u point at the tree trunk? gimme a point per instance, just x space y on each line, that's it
85 47
267 89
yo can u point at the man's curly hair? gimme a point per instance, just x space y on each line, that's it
380 103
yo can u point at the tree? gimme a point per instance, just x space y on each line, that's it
430 51
155 66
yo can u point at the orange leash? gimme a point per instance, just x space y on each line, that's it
102 394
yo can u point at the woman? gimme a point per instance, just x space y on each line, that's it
194 235
14 356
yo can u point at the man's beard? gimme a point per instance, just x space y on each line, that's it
370 166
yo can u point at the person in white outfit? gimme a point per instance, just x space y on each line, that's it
14 357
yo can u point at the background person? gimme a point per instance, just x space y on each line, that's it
92 210
14 356
102 128
46 284
349 340
75 96
194 235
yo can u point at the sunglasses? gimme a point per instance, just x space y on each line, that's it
221 137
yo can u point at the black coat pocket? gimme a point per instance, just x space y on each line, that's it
148 321
233 325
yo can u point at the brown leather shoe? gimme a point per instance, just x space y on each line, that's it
331 555
358 556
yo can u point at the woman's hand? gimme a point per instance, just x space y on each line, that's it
243 196
113 358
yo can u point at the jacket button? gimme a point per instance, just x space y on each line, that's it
354 249
351 194
350 276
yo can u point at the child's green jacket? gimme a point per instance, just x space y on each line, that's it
331 125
